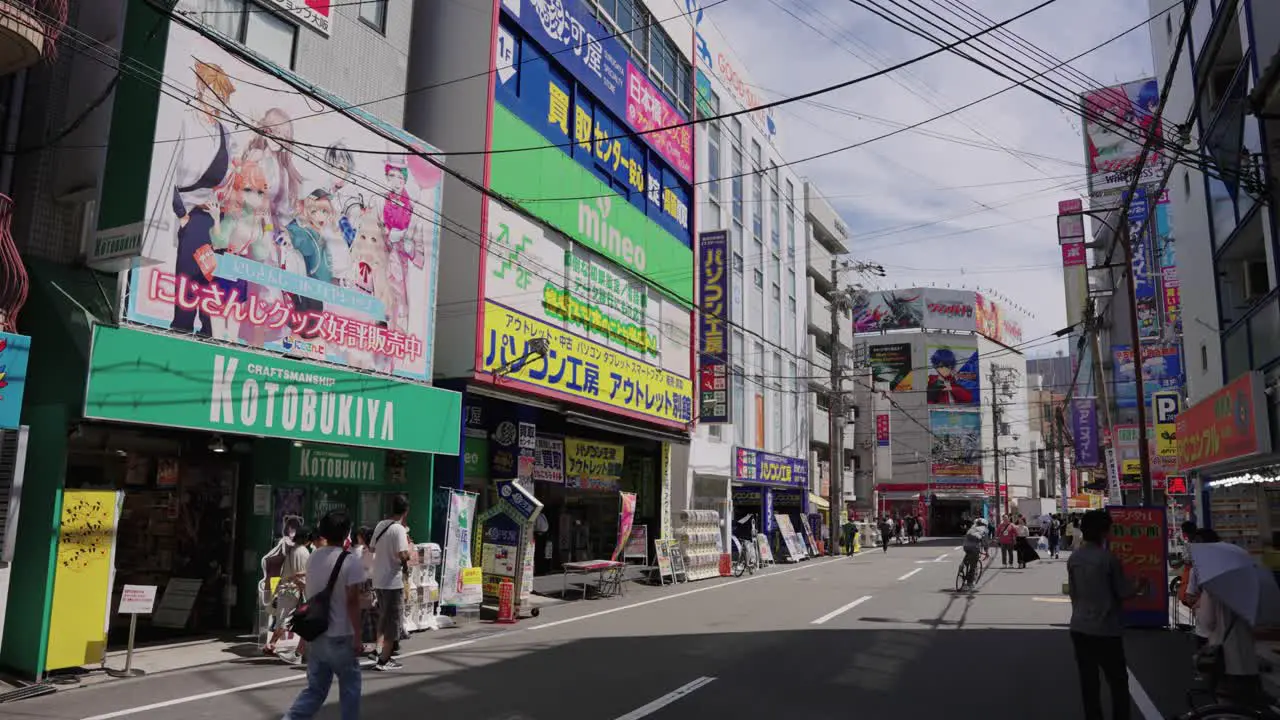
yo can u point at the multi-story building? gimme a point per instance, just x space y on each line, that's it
827 239
949 437
232 251
1224 222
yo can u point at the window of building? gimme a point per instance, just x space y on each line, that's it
374 14
775 224
713 160
757 190
255 27
759 277
651 46
735 184
708 102
777 312
791 221
779 442
735 237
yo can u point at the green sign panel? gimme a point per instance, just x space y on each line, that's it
337 464
601 220
475 458
154 379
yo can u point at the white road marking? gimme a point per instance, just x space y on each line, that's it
958 547
941 558
666 700
842 609
1052 599
450 646
913 572
1143 700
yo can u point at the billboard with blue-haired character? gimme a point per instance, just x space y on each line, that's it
953 374
1117 122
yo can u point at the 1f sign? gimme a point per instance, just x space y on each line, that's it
1165 407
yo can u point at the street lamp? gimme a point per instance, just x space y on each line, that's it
1144 459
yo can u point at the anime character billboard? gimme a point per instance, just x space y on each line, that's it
953 375
888 310
1117 122
278 222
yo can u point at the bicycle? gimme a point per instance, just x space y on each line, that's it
744 557
968 574
1217 710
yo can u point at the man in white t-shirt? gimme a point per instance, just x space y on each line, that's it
336 652
390 568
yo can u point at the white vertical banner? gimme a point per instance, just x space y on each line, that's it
457 552
1114 496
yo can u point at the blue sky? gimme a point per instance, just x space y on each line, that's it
932 209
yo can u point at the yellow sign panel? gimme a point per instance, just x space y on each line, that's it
591 464
82 579
1131 467
582 369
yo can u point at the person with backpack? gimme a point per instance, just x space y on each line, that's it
328 620
390 568
1054 536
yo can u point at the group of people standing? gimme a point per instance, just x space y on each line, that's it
898 527
364 574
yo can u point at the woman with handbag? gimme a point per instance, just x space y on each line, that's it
290 591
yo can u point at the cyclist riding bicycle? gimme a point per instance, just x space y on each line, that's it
975 541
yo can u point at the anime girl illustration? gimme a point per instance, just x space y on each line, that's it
404 240
315 237
1118 126
270 148
944 385
340 164
203 159
370 261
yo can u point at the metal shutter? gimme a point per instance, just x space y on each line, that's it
13 456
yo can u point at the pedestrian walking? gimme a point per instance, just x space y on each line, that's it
1097 587
390 568
1007 535
335 652
1022 545
1054 536
886 532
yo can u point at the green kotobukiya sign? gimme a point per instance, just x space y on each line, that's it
605 222
336 464
153 379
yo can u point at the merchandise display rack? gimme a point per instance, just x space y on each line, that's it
700 543
422 588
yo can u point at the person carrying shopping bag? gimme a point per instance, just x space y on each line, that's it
1007 535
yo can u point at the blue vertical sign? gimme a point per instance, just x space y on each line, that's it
14 350
1146 288
714 396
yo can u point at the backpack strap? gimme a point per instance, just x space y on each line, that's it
333 576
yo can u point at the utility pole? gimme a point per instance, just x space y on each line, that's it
835 409
1062 460
1135 344
1046 413
995 437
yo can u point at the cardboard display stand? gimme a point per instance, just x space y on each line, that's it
506 545
792 545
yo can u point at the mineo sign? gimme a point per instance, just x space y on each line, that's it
157 379
601 219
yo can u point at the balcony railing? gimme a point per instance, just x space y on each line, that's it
29 30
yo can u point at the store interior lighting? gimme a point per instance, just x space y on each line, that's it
216 445
1261 475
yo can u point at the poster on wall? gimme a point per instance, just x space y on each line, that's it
14 350
953 374
1146 277
592 465
325 251
949 309
1138 540
891 364
548 463
82 578
1117 122
1161 370
956 451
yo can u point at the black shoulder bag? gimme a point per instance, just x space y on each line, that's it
311 618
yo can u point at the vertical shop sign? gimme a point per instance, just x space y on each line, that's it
1165 407
548 464
882 429
1228 425
1138 541
82 578
14 350
1145 290
664 527
1084 418
714 288
528 441
1113 478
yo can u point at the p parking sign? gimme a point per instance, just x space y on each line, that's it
1165 407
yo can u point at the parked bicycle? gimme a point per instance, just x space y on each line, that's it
1226 711
744 557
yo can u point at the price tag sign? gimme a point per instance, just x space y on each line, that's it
137 599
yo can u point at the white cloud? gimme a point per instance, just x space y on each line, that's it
902 196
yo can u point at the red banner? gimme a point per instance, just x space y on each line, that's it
1228 425
1138 541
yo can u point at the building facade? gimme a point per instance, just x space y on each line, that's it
949 439
1224 222
232 257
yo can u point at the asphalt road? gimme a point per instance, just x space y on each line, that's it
876 635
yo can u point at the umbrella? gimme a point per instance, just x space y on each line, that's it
1235 579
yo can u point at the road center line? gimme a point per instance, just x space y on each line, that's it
666 700
941 557
450 646
913 572
1142 699
842 609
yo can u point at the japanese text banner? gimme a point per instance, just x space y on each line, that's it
714 291
581 369
592 465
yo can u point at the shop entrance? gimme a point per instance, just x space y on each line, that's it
177 525
951 517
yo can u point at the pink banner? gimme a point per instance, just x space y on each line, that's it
1073 254
647 109
626 518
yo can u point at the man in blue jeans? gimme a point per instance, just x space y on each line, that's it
336 651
